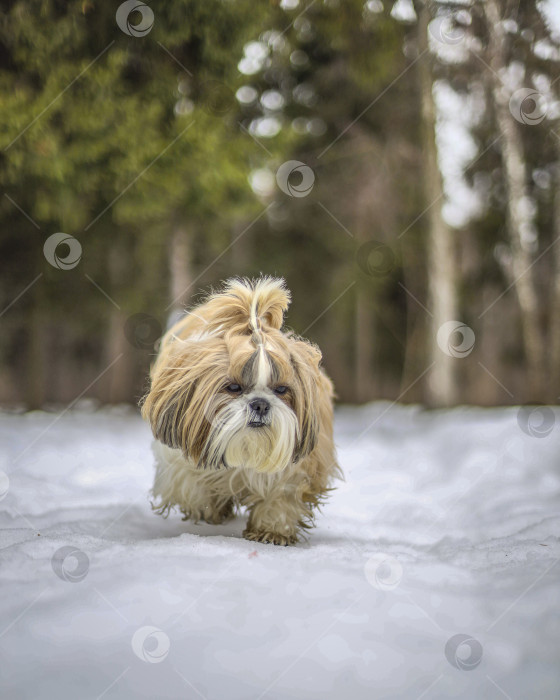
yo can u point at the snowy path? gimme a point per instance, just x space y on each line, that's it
462 507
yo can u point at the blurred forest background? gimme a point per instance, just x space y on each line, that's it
426 188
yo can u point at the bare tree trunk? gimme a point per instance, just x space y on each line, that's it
119 386
554 383
363 345
373 211
519 217
35 379
442 385
417 320
180 272
240 251
364 319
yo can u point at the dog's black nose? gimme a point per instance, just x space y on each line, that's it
260 406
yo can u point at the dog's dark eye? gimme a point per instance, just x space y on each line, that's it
280 390
233 388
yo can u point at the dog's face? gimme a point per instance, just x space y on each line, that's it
236 400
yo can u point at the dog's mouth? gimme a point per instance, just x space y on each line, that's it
257 424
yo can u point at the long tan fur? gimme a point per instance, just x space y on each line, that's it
209 459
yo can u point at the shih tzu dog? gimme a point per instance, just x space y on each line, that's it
242 415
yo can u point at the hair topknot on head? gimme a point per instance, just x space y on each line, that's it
248 306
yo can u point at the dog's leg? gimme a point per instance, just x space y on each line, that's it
208 508
199 494
278 518
203 498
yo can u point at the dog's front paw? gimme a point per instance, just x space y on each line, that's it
210 514
270 537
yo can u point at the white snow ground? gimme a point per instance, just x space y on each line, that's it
461 506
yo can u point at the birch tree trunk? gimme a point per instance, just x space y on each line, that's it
519 217
442 385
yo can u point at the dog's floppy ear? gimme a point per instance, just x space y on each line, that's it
305 359
186 375
165 407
